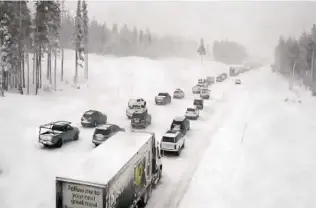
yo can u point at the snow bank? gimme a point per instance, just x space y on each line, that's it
263 156
29 171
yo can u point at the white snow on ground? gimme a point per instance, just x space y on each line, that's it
273 165
28 171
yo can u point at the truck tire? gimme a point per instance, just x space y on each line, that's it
179 152
146 196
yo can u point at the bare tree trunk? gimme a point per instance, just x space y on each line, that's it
62 65
23 70
40 66
37 71
55 69
86 64
50 65
76 68
47 68
34 66
28 70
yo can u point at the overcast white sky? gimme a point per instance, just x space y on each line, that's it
255 24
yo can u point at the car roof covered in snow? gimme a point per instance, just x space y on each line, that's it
104 126
89 112
105 161
172 133
179 118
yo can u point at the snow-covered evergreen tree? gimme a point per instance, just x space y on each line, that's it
79 42
85 22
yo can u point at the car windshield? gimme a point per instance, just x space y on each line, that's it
137 107
88 114
138 115
168 139
197 102
102 131
162 94
58 128
191 109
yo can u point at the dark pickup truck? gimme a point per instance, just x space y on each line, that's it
56 133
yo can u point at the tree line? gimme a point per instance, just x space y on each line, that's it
295 57
30 43
229 52
125 40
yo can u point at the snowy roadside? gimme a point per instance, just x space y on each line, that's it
29 172
273 165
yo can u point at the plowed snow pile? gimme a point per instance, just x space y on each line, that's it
264 155
28 172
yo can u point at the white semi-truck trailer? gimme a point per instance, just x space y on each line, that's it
120 173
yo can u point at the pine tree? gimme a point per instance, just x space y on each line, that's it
141 36
78 41
6 15
41 38
86 36
201 49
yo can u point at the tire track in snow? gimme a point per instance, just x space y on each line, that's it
171 198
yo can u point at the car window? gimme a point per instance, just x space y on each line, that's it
103 131
58 128
168 139
115 128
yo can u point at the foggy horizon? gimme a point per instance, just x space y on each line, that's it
256 25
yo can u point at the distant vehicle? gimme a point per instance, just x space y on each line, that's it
192 113
104 132
163 98
219 78
203 85
200 81
139 101
205 93
224 76
172 142
237 81
273 67
136 107
235 70
196 89
181 124
55 134
140 119
178 94
93 118
199 103
119 173
210 80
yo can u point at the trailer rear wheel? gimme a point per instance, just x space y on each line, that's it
146 196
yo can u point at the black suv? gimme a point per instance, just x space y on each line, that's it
93 118
104 132
181 124
163 98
